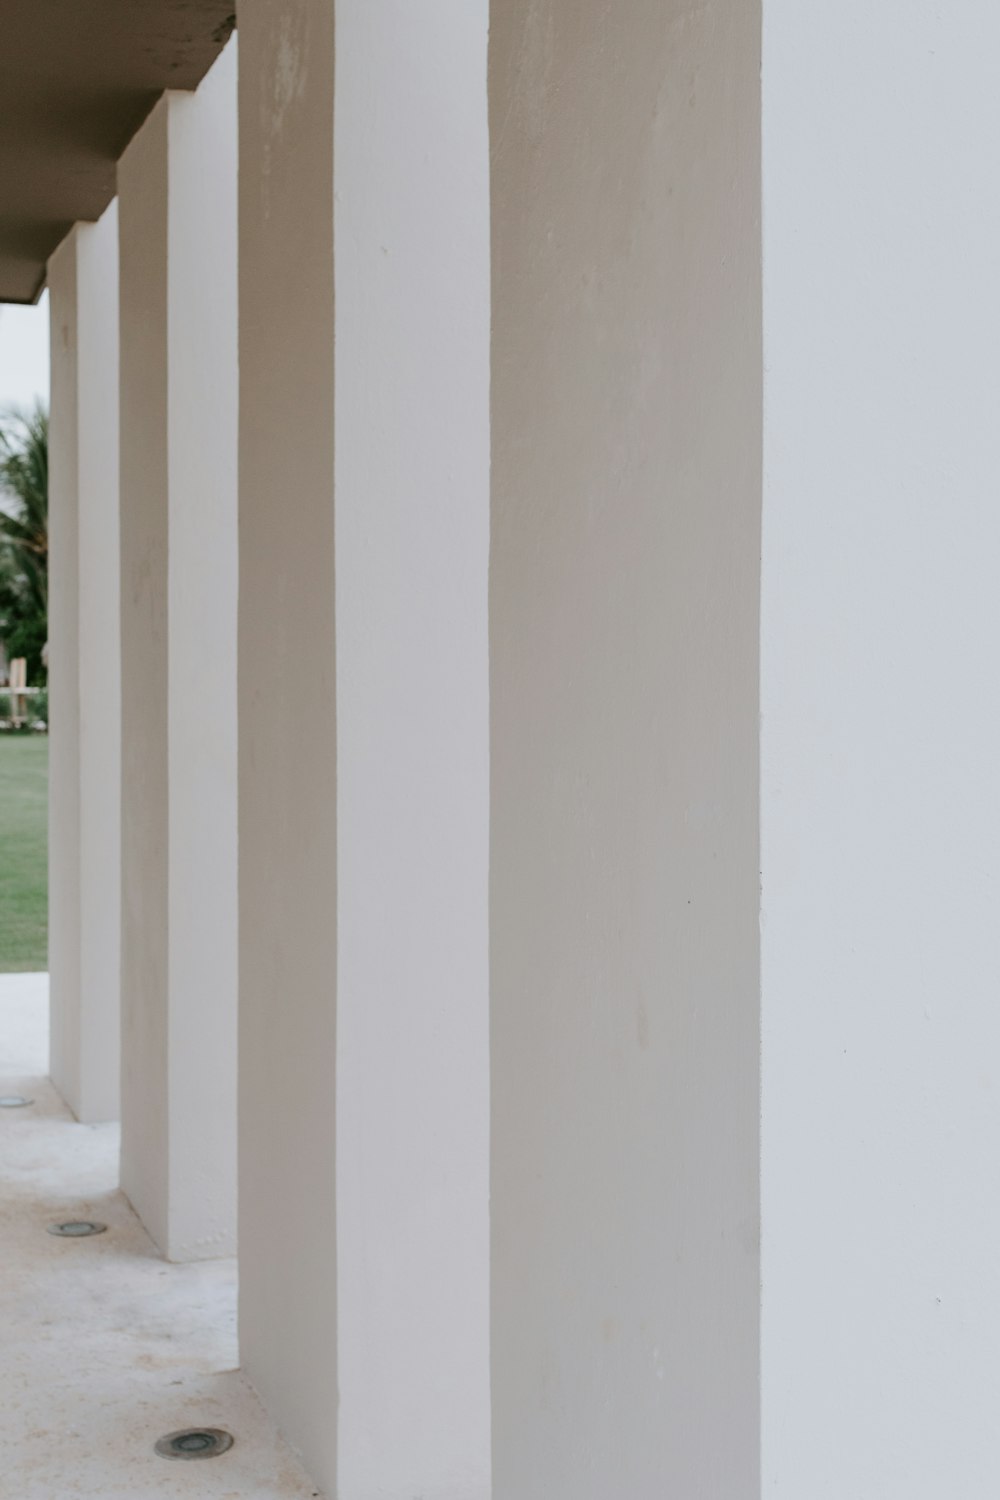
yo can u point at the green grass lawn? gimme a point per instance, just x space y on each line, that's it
24 781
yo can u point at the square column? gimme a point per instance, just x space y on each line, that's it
745 1229
84 672
364 739
411 225
177 192
880 747
624 876
287 724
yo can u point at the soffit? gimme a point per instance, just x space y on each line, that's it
77 79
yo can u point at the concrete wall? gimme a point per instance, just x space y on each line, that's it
63 677
142 219
881 700
287 722
363 740
99 669
201 673
624 871
412 483
626 410
178 478
84 779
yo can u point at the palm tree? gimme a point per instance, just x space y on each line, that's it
24 538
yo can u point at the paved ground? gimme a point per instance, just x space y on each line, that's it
105 1347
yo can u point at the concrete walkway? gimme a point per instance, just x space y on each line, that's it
105 1347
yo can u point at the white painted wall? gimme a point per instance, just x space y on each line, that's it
142 222
99 669
881 703
412 485
287 723
178 474
84 776
626 411
363 763
63 678
202 381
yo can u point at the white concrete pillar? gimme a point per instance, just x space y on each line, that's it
881 740
84 672
624 877
363 739
638 436
177 191
287 723
64 675
411 223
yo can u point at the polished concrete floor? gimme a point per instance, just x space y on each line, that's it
105 1347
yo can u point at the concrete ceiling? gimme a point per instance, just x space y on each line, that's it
77 79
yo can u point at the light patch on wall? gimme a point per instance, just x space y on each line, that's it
289 72
284 88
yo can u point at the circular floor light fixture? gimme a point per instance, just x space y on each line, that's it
195 1442
77 1229
14 1101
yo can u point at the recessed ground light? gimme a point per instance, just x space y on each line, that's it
195 1442
14 1101
77 1229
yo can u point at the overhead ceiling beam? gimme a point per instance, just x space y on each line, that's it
77 79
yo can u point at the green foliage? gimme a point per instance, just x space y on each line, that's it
24 535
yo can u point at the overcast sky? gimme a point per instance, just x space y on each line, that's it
24 354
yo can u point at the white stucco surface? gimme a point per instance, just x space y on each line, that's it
375 1356
411 221
64 675
202 397
287 723
178 475
881 739
84 672
626 408
99 671
106 1347
142 225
